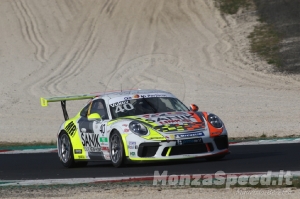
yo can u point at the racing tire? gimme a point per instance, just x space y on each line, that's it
117 153
65 150
215 158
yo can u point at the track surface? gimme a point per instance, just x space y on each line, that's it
253 158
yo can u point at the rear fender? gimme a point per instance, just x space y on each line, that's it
70 127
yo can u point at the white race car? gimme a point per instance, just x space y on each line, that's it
137 125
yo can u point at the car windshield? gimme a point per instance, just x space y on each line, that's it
146 106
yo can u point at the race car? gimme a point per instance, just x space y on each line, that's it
137 126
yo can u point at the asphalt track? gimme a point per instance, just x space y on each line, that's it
243 158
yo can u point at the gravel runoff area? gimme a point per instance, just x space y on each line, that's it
138 191
54 48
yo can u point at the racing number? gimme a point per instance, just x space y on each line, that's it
102 129
127 107
71 128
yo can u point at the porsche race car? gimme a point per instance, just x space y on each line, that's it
137 125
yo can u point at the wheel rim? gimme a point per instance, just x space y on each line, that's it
115 145
64 148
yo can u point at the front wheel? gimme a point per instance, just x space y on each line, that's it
65 150
117 154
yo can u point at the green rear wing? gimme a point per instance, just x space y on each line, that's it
45 101
63 99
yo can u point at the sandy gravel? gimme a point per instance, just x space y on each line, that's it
54 48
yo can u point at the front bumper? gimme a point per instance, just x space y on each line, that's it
168 150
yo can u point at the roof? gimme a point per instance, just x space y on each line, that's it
113 94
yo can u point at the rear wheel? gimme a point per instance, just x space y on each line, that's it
65 150
117 154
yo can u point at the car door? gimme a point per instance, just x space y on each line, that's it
91 130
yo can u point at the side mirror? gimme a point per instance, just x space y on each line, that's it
194 107
94 116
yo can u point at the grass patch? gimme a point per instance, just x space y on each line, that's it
232 6
265 43
265 39
263 135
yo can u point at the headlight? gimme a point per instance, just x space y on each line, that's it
215 121
138 128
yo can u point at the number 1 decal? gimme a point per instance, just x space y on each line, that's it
102 129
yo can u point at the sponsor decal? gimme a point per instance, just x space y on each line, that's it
81 157
119 103
169 119
90 140
78 151
127 98
124 125
126 130
105 148
106 156
153 95
153 138
103 139
71 128
136 97
189 141
92 149
131 145
170 137
186 135
132 153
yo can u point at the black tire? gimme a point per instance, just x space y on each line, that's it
215 158
65 150
117 153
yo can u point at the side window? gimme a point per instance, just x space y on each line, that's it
98 106
84 111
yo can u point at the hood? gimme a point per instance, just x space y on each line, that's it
172 121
